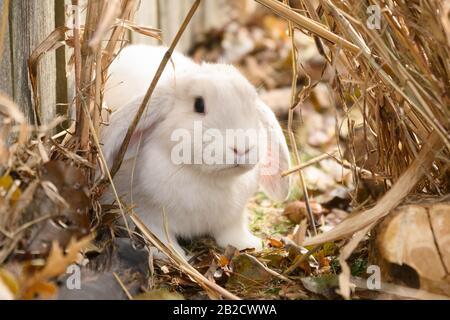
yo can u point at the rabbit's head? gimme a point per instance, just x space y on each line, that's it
216 121
210 119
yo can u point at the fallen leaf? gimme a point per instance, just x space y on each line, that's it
39 282
293 292
294 255
322 259
223 261
5 292
325 285
328 249
6 183
248 271
275 258
296 211
40 289
63 194
275 243
9 286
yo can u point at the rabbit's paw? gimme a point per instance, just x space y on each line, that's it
239 238
161 256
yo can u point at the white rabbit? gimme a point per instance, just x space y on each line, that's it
199 198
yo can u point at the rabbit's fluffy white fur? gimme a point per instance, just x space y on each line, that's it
198 199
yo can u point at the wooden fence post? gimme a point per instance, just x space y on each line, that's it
62 89
6 84
30 22
168 15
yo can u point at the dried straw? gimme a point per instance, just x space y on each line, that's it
399 77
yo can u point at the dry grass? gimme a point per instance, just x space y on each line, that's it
398 77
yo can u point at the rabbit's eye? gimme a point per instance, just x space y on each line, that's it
199 105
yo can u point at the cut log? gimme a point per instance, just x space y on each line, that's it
416 237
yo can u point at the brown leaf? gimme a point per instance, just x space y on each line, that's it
248 270
63 194
9 286
296 211
323 261
275 243
56 265
40 289
223 261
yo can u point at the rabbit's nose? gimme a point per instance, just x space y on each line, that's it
241 152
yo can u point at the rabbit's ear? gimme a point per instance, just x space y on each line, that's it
112 135
276 158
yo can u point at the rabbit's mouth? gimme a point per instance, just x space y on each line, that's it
230 169
239 167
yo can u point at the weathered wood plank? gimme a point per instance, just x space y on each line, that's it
61 77
31 21
6 83
169 14
147 15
